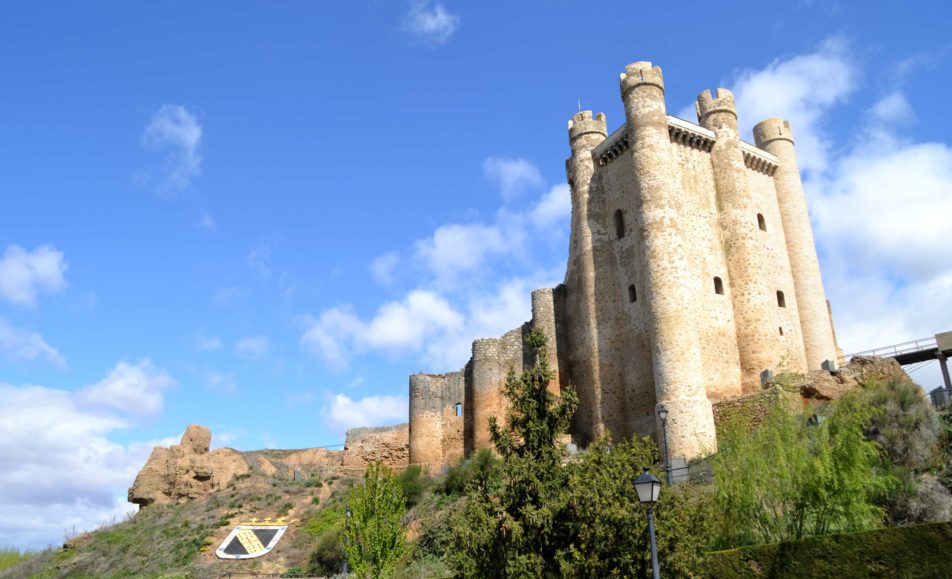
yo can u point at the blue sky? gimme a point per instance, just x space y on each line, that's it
261 217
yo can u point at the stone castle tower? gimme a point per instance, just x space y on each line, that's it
692 269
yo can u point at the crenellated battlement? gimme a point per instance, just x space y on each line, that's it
641 73
582 123
772 129
691 270
721 102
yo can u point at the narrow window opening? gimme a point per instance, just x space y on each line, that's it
761 222
459 408
619 224
632 294
781 330
780 300
718 286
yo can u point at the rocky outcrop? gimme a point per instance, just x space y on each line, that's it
186 470
795 390
823 385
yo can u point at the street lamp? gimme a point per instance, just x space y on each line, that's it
663 415
649 487
349 513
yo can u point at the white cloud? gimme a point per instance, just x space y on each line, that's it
397 327
513 176
430 22
223 383
406 324
343 413
879 202
458 249
208 223
17 344
24 274
207 343
253 347
176 131
330 336
555 208
801 90
58 468
439 328
893 109
135 389
383 266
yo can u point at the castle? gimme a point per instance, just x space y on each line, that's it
692 269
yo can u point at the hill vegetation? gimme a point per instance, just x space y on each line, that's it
784 498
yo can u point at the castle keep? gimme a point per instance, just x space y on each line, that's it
692 269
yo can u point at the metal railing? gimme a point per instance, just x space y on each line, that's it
897 349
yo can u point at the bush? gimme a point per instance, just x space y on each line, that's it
477 469
607 530
412 482
328 555
10 556
789 479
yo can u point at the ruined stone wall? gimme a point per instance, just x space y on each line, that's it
436 432
492 360
388 444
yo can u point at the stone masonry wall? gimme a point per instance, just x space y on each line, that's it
691 270
388 444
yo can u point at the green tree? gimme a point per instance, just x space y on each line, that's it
608 525
375 535
511 523
792 477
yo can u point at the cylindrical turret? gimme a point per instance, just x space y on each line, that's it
774 136
675 352
585 133
543 319
426 421
488 377
753 300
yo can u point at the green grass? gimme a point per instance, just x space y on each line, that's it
920 551
10 557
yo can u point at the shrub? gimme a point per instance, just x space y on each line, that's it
328 555
477 469
788 479
412 482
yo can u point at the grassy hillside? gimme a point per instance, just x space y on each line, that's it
920 551
180 540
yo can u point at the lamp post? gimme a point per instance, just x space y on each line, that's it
663 415
349 513
649 488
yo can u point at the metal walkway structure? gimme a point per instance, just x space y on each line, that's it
938 347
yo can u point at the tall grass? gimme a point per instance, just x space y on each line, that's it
10 556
